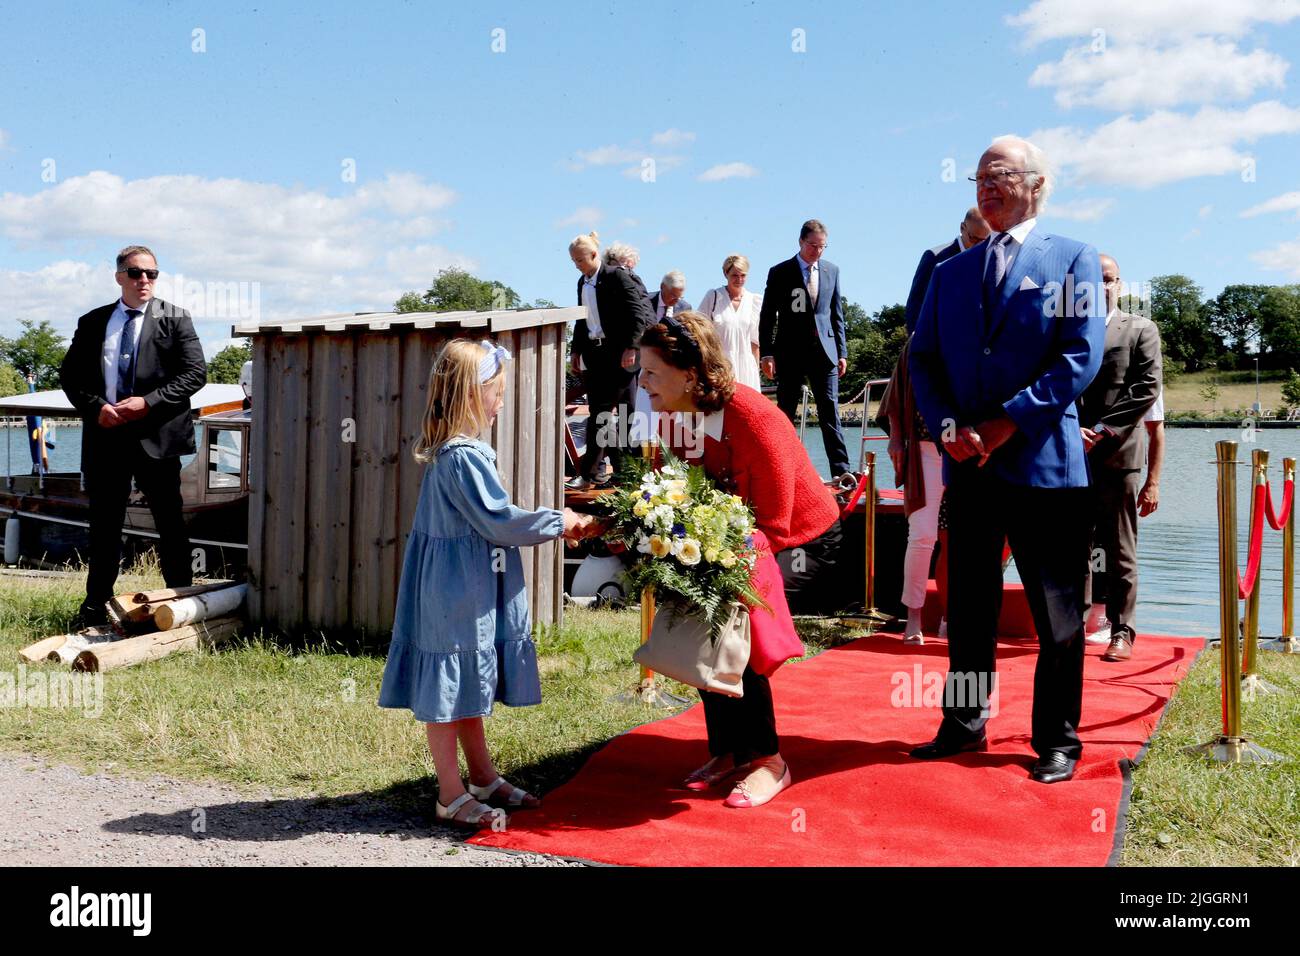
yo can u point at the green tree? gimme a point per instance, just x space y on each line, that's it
1186 335
874 343
1234 315
1210 392
1279 325
226 364
1291 389
455 290
38 350
11 380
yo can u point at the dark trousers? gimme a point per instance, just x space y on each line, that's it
825 385
808 571
611 397
1112 565
744 727
110 463
1048 531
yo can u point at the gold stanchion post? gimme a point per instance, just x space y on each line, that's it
1287 643
870 614
1231 746
1251 682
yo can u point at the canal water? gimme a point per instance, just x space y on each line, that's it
1177 546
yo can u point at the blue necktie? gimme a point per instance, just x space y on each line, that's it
126 356
994 272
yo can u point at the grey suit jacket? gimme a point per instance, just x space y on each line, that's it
1127 384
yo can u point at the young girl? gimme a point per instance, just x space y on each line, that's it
461 633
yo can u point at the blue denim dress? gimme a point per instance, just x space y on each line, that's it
461 635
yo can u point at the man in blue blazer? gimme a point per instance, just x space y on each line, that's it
973 230
802 320
1008 337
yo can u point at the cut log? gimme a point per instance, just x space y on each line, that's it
171 594
200 607
42 649
65 647
129 616
149 647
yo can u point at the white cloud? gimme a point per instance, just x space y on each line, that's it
303 251
608 156
1079 210
1149 19
1204 211
1165 147
584 217
1283 203
671 138
1284 257
727 171
1133 75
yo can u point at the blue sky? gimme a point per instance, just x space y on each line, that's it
1175 127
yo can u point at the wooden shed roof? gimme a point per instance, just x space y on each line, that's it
497 320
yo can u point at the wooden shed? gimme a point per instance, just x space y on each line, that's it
337 407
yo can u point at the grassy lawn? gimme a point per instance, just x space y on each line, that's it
1236 391
299 718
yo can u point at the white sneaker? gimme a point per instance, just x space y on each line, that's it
1101 633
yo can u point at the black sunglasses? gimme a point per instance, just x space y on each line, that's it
135 273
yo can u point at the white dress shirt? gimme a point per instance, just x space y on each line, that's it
113 345
594 329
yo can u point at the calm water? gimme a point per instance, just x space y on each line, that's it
1177 546
1178 590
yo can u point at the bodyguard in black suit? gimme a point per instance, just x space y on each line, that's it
802 321
604 350
130 371
973 229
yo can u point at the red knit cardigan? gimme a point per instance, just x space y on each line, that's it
761 459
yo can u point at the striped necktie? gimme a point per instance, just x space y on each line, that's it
126 355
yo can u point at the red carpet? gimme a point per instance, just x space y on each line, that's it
857 798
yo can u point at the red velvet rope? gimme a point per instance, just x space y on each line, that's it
1276 521
1247 584
857 493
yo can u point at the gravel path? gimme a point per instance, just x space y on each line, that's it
59 816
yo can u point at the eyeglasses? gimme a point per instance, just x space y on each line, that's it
813 245
135 273
997 176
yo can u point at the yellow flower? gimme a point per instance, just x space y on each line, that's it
660 547
640 508
711 555
688 551
676 497
728 558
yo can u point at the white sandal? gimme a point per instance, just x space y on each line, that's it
515 801
481 815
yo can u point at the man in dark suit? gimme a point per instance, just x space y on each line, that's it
1008 337
802 319
1111 414
972 231
604 352
670 299
130 371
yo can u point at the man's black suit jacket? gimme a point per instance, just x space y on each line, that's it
921 280
169 368
625 314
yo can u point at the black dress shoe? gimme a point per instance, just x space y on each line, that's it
90 616
938 748
1053 768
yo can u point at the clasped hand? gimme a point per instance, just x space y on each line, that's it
578 527
127 410
980 441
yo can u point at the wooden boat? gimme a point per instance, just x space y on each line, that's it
46 515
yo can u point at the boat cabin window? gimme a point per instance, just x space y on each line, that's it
225 452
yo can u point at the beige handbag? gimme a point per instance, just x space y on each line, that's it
681 647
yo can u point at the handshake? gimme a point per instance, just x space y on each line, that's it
578 527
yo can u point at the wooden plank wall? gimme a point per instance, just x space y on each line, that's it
329 516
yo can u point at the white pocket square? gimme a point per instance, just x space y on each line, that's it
1027 283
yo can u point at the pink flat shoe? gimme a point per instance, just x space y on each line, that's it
703 779
741 799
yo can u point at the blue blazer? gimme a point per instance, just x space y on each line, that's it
921 278
1031 359
783 326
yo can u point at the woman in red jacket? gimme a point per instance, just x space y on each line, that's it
748 446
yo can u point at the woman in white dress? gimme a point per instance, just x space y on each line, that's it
734 311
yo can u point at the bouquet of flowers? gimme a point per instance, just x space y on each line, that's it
694 541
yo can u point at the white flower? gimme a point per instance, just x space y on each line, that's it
643 545
687 551
659 546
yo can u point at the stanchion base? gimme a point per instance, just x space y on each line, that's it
1234 750
1282 645
1253 684
650 694
866 619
